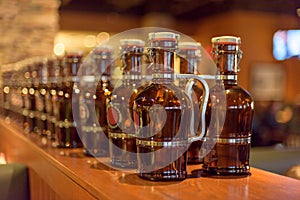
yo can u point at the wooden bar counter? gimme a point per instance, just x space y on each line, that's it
68 174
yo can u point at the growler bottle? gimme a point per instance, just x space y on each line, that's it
95 75
119 108
230 154
41 96
6 92
34 68
161 113
19 101
190 58
10 95
56 79
2 95
32 84
66 133
28 121
53 65
14 96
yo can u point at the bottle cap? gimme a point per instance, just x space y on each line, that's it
163 36
132 42
189 45
226 40
103 48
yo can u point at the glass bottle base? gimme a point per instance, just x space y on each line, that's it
124 163
164 176
230 171
194 153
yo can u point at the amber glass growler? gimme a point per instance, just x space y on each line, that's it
33 92
95 87
54 64
190 58
66 132
40 97
31 103
121 126
28 121
6 92
230 154
161 112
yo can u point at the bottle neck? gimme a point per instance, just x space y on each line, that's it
132 67
163 65
70 68
227 58
190 58
228 79
103 66
227 63
189 65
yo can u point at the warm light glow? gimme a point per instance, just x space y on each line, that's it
59 49
2 158
6 90
89 41
285 115
102 37
77 91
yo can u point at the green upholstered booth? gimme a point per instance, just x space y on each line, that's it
275 159
14 182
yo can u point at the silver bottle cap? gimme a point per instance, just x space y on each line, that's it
189 45
163 36
226 40
132 42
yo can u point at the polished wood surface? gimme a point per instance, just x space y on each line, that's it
68 174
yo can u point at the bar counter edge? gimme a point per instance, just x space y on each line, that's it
68 174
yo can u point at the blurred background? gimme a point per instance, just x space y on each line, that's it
270 32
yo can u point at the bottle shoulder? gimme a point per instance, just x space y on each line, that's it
239 98
234 95
164 94
237 91
124 94
230 90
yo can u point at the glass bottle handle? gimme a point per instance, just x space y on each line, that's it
188 90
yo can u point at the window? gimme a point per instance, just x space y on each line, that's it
286 44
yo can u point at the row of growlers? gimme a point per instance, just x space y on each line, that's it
36 95
149 118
